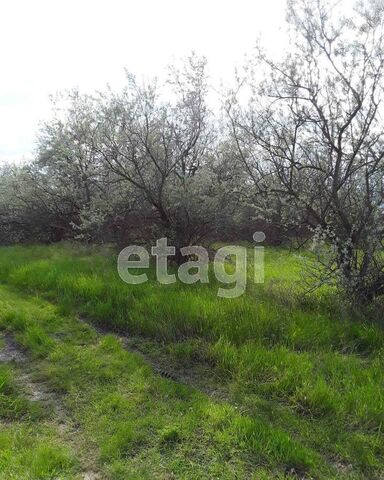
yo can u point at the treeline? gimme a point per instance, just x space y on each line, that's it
302 158
130 166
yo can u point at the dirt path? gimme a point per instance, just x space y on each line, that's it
37 391
34 391
198 376
10 352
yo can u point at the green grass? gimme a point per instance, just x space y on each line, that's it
137 424
12 405
301 377
28 452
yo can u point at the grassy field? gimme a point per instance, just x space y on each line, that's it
109 380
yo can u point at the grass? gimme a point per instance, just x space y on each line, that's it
301 378
137 424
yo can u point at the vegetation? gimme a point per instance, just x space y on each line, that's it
269 385
101 379
296 151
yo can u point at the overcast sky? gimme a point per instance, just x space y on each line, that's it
51 45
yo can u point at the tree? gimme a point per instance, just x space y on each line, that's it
161 148
312 136
30 209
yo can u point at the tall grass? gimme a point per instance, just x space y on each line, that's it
131 422
304 353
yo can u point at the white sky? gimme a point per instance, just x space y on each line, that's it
51 45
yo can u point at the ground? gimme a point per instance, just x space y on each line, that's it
102 380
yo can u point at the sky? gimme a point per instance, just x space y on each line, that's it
47 46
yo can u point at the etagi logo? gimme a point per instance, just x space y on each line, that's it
229 265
